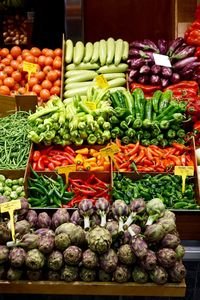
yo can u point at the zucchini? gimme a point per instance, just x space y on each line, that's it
88 52
125 51
119 47
69 51
76 72
110 50
102 52
80 91
113 69
75 85
110 76
79 50
116 82
81 77
95 55
82 66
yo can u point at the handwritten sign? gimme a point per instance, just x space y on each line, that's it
184 171
30 68
110 151
66 170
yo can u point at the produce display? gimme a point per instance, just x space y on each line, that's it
142 67
49 158
12 189
136 243
167 187
14 142
85 62
44 83
15 30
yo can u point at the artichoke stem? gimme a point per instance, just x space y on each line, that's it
86 222
130 220
103 219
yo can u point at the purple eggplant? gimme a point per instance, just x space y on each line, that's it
164 82
175 78
152 45
133 73
162 46
192 66
143 79
174 45
184 53
187 74
145 45
137 53
137 62
155 79
166 72
156 69
144 69
184 62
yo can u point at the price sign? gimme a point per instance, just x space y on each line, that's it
91 105
10 207
162 60
101 82
66 170
184 171
30 68
110 151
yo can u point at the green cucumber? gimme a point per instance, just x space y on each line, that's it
125 51
79 50
102 52
88 52
119 47
113 69
95 55
69 51
110 50
82 66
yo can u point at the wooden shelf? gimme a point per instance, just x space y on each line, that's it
94 288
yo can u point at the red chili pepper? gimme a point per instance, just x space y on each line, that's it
46 150
36 155
183 160
55 162
135 149
175 159
34 166
140 156
181 147
125 165
51 166
70 150
70 158
40 163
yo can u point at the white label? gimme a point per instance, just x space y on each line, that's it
162 60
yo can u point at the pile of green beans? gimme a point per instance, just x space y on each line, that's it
14 143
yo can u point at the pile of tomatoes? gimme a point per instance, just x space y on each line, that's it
44 83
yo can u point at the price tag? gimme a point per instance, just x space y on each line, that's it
184 171
66 170
162 60
91 105
10 207
101 82
110 151
30 68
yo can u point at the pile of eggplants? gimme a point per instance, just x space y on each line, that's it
142 67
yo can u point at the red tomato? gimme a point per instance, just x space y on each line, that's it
14 64
46 84
55 90
41 60
22 90
9 82
30 58
9 56
24 53
45 94
59 73
47 69
57 64
52 75
37 89
58 52
9 70
4 52
19 59
48 61
40 75
2 66
17 76
32 81
57 83
3 75
35 51
15 51
6 61
16 86
4 90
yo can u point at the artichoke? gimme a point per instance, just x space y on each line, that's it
55 260
126 255
31 217
102 208
45 232
90 259
34 275
35 260
103 276
5 233
168 225
154 233
155 209
69 273
139 275
14 274
122 274
86 210
62 241
180 252
112 227
24 208
53 275
120 212
137 206
43 221
168 214
108 261
132 231
87 275
76 218
99 240
22 227
158 275
3 199
170 241
139 247
72 255
29 241
149 261
95 220
75 232
177 272
166 257
59 217
17 257
46 244
4 254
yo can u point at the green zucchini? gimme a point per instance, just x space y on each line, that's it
110 50
119 48
95 55
69 51
75 85
125 51
102 52
113 69
79 50
110 76
88 52
80 91
76 72
116 82
81 77
82 66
